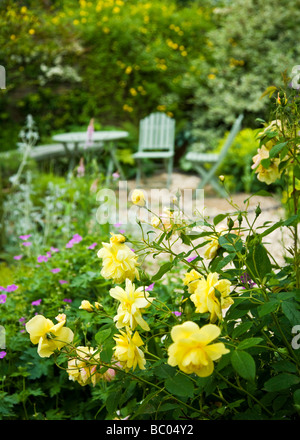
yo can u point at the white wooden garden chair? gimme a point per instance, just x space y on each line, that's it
156 141
200 160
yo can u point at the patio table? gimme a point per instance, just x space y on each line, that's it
75 141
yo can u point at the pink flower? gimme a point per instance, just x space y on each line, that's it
176 313
90 132
2 354
63 282
3 297
22 320
42 259
18 257
25 237
191 259
122 231
67 300
80 168
26 243
117 225
56 270
36 303
115 176
11 288
92 246
53 249
149 288
76 239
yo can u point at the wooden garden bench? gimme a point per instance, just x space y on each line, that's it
156 141
200 160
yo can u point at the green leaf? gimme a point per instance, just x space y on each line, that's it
258 262
164 371
231 242
246 343
267 308
164 268
244 364
281 382
107 352
276 149
102 335
241 329
265 162
290 311
180 386
224 261
112 401
218 218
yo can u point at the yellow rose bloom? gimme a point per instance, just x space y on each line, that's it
119 262
83 368
211 248
138 198
127 350
268 175
132 303
191 280
192 350
212 295
117 238
47 335
86 305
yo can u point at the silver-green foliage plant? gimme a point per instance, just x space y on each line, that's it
254 42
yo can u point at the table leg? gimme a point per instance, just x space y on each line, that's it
114 160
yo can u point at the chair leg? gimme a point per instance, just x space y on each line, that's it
138 173
170 170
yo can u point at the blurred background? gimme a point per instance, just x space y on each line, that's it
202 62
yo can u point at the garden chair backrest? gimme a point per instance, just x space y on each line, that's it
157 132
230 138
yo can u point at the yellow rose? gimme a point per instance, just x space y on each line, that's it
212 295
191 280
192 350
132 303
119 262
83 368
138 198
48 336
117 238
268 175
127 350
211 248
86 305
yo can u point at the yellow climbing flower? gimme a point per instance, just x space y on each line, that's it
211 248
267 175
212 295
127 350
83 367
47 335
192 350
191 280
86 305
138 198
132 303
119 261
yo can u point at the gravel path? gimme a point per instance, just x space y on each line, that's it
158 196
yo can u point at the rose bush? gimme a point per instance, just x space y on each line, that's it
208 331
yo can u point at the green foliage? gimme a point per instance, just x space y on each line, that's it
114 61
253 43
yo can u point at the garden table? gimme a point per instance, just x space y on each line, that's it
73 141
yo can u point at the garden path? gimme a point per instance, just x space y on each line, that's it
277 242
